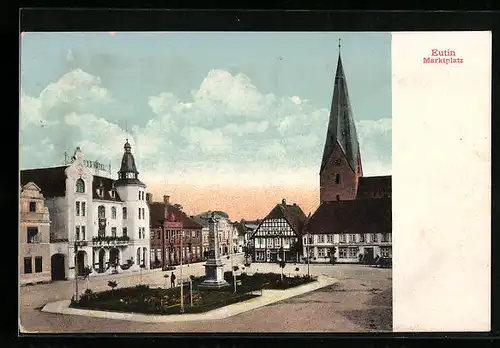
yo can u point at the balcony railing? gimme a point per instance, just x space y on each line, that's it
110 240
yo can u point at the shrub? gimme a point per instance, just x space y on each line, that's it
228 276
247 264
112 284
235 268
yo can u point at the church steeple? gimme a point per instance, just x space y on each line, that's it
341 128
128 173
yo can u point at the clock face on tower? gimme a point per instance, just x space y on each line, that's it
337 162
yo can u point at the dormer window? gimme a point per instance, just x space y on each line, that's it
112 193
80 186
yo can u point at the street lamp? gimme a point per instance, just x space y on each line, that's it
182 281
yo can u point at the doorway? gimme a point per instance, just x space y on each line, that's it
80 260
57 267
368 258
102 253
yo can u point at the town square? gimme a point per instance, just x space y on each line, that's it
190 223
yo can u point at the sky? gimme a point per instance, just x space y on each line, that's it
231 121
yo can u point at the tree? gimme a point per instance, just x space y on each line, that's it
112 284
86 274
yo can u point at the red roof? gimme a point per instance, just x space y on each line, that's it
352 216
157 216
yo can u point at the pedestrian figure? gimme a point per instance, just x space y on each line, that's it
172 280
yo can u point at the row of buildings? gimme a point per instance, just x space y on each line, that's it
75 216
353 222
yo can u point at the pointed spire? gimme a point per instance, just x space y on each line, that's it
341 128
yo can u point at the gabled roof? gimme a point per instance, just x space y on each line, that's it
341 128
352 216
107 185
374 187
157 213
292 213
52 181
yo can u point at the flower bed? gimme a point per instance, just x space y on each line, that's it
142 299
269 280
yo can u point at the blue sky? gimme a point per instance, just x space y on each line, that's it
202 107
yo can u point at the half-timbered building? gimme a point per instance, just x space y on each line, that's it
278 232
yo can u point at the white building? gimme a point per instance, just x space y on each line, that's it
357 231
104 222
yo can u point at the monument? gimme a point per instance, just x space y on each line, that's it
214 276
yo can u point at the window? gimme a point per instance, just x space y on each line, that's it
112 193
328 252
353 253
101 212
139 213
362 238
337 178
32 207
32 233
80 186
139 195
353 238
38 264
330 238
158 236
143 214
321 238
27 265
321 252
342 238
113 231
124 231
83 208
124 213
372 237
83 232
342 253
77 233
77 208
113 212
386 237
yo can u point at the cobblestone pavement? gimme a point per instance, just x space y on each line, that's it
360 302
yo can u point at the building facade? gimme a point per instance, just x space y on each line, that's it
98 222
176 237
353 231
34 252
278 233
225 230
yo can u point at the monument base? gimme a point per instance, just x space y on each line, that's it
214 277
213 285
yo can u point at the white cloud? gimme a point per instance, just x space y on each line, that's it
228 132
208 141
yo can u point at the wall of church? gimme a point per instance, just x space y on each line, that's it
347 184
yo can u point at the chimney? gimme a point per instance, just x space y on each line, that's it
166 199
149 197
283 201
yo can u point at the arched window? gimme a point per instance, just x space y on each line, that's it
113 212
101 212
139 256
337 178
80 186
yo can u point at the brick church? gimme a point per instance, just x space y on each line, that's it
354 220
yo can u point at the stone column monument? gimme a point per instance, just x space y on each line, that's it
214 277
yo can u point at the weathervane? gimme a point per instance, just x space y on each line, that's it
339 43
126 130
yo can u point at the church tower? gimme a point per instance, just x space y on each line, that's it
341 164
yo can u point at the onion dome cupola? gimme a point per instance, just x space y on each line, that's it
128 174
